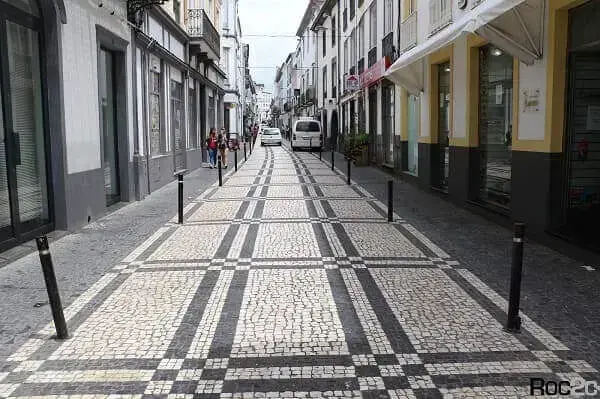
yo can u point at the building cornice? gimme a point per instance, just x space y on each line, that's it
325 8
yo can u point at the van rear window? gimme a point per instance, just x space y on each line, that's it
307 126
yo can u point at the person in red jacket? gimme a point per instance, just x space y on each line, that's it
212 145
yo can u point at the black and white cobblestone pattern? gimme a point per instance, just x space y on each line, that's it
295 287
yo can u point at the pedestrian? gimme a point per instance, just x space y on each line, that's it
222 140
212 145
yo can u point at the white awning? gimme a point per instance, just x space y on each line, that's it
515 26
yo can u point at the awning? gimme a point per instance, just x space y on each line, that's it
515 26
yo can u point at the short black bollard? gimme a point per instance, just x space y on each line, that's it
349 171
321 152
235 159
311 150
245 157
390 200
52 287
180 197
513 323
332 159
220 170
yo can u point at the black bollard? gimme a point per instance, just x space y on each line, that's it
390 200
235 159
321 152
513 323
180 197
348 171
220 170
52 287
245 157
310 145
332 159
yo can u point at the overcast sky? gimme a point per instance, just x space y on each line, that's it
269 17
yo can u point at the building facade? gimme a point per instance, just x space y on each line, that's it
479 101
263 102
232 53
71 147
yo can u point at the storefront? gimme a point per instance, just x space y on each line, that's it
495 123
380 151
388 123
25 190
581 198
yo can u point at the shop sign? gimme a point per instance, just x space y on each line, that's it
375 72
353 83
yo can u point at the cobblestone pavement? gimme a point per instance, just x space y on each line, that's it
287 282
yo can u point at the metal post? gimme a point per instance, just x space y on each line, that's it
52 287
390 200
332 159
220 170
180 197
235 159
245 157
348 171
310 141
321 152
513 323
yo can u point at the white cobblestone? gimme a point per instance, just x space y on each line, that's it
380 240
285 240
223 210
207 239
288 312
285 209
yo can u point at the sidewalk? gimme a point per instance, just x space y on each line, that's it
556 290
287 282
82 257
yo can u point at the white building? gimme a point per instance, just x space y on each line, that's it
232 53
263 101
120 108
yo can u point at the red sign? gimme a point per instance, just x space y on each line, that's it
375 72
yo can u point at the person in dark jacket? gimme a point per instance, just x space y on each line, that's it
212 145
222 140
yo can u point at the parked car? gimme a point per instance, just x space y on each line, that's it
234 141
271 136
306 134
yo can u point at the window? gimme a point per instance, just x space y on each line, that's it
157 140
333 31
388 15
324 44
352 49
193 121
333 77
177 10
324 83
308 126
352 9
361 38
373 25
225 64
346 65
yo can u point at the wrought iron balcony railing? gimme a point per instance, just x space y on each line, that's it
199 26
372 56
361 65
408 33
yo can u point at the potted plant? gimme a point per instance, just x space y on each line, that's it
356 148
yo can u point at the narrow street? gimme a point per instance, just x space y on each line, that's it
287 282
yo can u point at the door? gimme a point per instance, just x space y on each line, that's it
373 125
24 193
387 103
413 134
108 125
583 149
444 123
178 124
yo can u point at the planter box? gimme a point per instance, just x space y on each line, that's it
363 159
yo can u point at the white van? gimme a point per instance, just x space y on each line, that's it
306 133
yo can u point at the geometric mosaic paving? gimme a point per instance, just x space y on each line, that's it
287 282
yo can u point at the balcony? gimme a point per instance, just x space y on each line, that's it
361 65
387 46
205 39
372 57
440 15
408 33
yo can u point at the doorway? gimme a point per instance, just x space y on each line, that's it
581 204
177 120
387 114
25 207
373 124
334 128
444 124
108 125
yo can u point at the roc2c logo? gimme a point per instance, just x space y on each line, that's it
577 388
